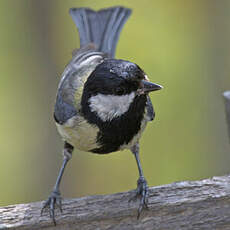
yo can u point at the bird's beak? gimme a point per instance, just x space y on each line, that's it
147 86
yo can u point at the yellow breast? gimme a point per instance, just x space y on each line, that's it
79 133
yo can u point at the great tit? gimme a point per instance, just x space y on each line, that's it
102 103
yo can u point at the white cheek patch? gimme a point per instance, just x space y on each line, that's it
108 107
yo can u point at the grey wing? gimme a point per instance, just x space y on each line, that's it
70 88
64 107
150 109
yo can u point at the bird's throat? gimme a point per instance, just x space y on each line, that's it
121 129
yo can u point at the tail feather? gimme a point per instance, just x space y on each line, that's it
100 27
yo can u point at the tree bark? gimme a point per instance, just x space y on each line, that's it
226 95
186 205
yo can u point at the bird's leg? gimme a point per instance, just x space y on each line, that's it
55 196
142 187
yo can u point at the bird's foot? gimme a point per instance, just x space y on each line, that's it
142 193
50 204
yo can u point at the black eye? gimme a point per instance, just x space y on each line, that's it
140 77
119 91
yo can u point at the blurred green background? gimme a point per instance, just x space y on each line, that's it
183 45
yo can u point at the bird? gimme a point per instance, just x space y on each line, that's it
102 103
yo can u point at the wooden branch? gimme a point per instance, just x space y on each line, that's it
226 95
184 205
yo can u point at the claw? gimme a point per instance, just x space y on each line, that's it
142 192
53 200
59 205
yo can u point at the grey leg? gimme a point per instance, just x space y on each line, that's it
142 187
55 196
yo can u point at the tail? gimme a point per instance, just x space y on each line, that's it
102 28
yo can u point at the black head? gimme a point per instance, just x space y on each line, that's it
117 77
114 77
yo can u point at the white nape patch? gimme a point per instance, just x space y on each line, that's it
146 77
108 107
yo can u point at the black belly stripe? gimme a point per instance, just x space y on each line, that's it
121 130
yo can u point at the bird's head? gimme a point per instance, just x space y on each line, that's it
113 86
